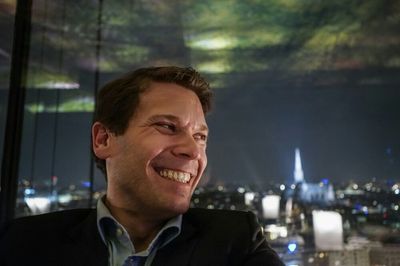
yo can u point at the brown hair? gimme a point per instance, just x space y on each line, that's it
117 100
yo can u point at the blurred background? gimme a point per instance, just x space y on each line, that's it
305 128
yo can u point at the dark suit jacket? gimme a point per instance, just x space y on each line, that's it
208 237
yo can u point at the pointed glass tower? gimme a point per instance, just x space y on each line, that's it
298 169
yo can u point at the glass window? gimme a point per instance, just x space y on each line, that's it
55 165
7 13
306 116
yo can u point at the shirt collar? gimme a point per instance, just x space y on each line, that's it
111 230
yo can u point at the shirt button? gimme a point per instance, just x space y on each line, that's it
119 232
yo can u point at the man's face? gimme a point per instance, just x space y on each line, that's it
154 167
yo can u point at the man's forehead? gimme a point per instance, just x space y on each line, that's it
199 125
169 97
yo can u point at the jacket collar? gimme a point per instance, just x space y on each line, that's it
183 246
86 246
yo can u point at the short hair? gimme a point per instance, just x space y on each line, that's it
118 100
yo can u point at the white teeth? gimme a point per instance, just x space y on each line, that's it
175 175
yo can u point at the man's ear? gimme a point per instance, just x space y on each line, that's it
101 140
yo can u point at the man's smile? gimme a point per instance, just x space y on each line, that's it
175 175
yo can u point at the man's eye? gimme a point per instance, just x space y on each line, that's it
201 137
166 126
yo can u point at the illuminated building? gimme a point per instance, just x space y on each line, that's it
328 230
318 193
298 169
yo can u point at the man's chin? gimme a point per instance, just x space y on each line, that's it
174 210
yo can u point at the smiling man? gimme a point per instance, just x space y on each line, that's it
149 138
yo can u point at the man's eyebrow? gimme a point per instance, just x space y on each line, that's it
202 127
165 116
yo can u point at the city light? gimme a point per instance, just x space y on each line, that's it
38 205
328 230
29 191
270 205
292 247
64 199
241 190
248 198
275 232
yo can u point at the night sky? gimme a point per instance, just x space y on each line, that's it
343 131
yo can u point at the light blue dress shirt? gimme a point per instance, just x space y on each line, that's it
120 247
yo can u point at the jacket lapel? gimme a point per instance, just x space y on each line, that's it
180 250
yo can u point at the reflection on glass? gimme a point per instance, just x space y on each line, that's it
318 76
7 13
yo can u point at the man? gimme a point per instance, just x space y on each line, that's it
149 137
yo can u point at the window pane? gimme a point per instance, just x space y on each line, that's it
306 115
7 13
55 162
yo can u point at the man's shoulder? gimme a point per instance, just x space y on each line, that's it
223 236
59 220
59 216
59 238
212 214
221 220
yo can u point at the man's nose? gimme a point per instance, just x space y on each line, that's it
187 147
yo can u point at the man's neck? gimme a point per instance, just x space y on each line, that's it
141 229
